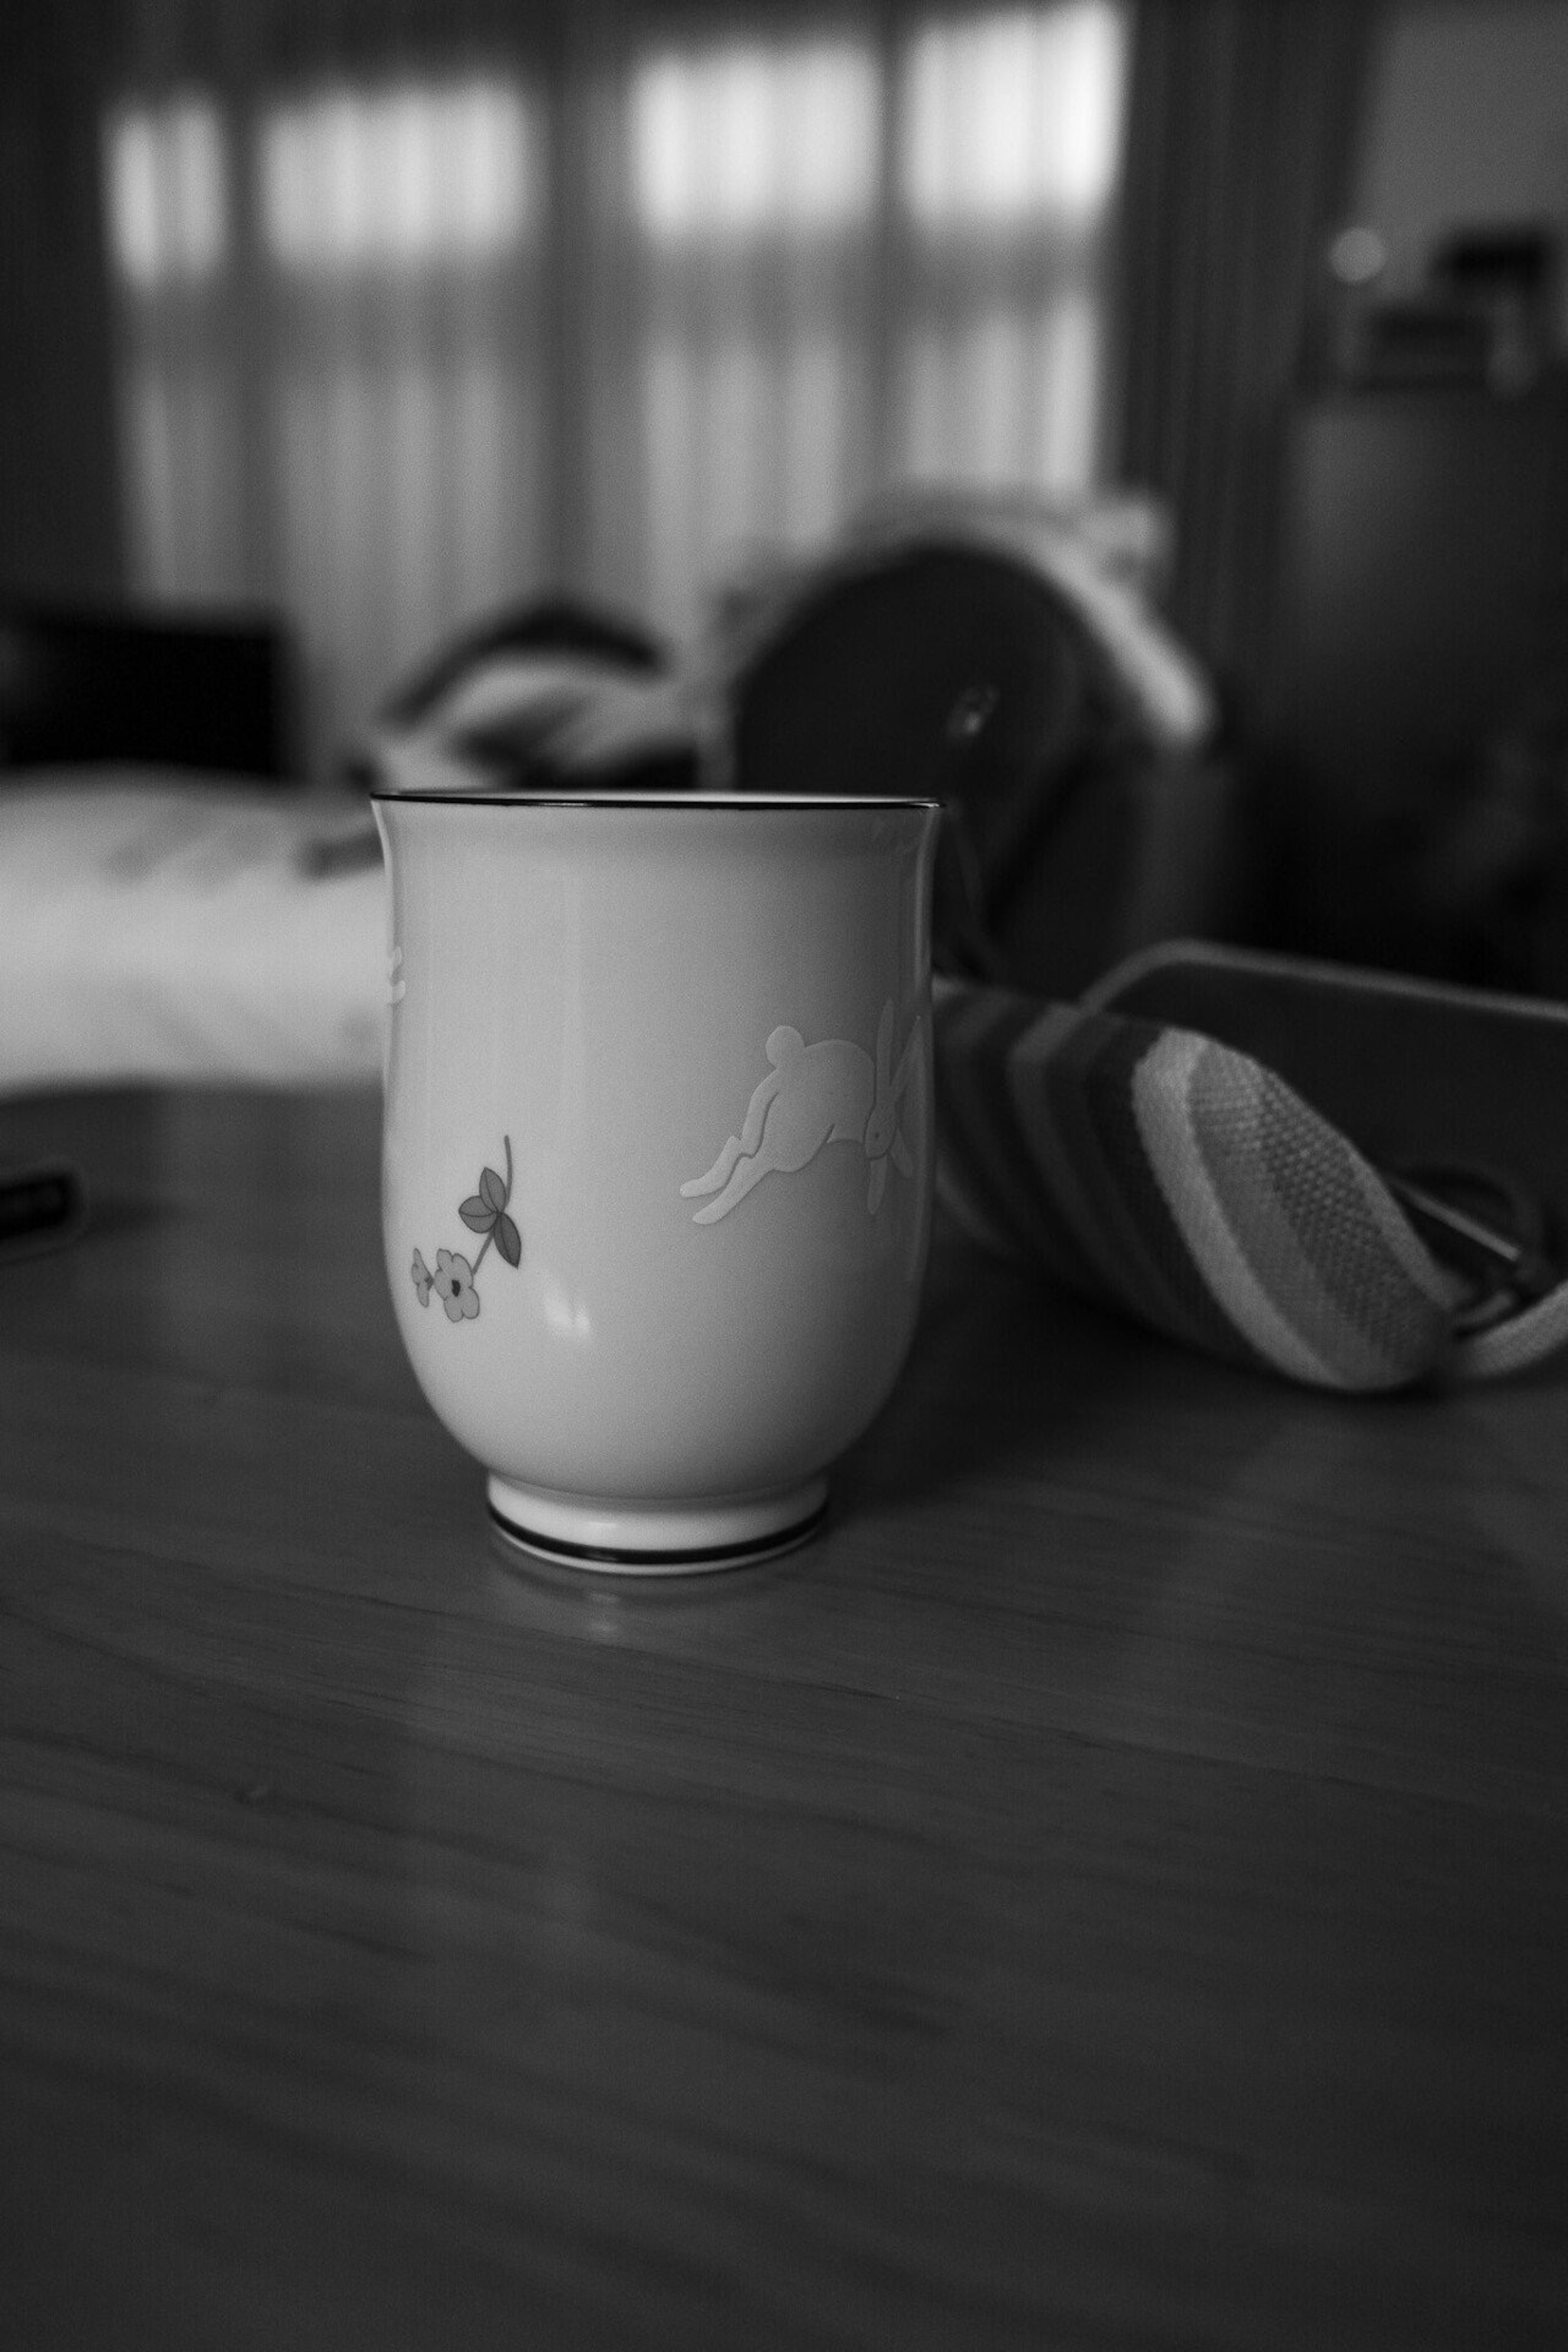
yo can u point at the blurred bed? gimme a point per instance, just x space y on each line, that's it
172 905
174 908
156 923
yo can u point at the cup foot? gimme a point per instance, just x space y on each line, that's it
655 1539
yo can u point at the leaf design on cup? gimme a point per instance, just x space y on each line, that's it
484 1212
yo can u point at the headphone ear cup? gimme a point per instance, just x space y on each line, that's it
950 671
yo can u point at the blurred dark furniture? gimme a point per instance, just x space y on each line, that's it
1423 602
1426 567
92 683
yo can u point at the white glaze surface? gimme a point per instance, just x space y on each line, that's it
588 1003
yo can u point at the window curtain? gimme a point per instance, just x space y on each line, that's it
1243 117
423 310
329 304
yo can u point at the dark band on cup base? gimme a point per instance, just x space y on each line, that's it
630 1562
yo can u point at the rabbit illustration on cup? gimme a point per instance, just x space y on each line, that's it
832 1092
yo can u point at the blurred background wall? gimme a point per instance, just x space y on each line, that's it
1466 122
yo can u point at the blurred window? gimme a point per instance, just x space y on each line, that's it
404 178
397 347
754 175
1010 157
756 141
1015 120
168 195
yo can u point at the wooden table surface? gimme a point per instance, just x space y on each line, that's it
1108 1891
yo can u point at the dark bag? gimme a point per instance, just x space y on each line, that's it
1070 743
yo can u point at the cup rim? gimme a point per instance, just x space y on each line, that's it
690 802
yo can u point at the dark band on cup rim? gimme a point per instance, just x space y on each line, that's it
698 804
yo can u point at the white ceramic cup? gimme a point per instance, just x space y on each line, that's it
659 1151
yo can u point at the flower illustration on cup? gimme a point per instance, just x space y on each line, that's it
484 1212
454 1287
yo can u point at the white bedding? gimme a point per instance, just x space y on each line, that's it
154 926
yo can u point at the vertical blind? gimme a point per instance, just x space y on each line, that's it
403 338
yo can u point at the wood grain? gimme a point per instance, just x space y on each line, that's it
1108 1891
